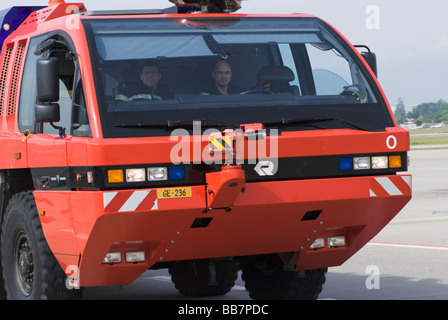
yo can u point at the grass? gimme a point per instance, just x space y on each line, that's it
429 131
418 140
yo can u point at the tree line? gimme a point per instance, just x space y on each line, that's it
430 112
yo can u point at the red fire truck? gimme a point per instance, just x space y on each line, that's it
205 142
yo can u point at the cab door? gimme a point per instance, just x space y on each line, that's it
47 141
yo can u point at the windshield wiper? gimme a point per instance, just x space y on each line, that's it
139 125
203 123
211 123
322 118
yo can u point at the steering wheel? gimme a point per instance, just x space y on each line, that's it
255 91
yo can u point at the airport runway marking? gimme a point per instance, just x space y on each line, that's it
413 221
407 245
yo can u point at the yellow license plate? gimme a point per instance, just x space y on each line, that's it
174 193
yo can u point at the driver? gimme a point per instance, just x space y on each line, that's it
222 74
148 89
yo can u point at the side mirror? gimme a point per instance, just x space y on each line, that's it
47 112
370 58
47 76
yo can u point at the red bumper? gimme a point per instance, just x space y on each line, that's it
81 227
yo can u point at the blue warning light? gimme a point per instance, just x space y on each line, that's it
10 20
176 173
345 164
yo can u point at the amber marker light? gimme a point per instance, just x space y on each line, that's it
395 162
115 176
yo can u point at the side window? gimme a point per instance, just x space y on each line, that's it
288 61
73 110
81 125
331 71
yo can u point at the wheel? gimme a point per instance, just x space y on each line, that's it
30 271
266 279
2 283
203 278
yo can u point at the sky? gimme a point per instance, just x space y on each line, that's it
409 37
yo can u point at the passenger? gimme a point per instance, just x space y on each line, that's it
148 89
222 74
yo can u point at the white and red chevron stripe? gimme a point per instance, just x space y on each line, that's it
128 201
390 186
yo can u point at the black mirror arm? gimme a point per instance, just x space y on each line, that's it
62 134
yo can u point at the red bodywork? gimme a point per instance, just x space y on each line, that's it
81 227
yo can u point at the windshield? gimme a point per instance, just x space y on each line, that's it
154 72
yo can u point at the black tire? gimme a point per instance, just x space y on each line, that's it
2 283
30 270
191 278
266 279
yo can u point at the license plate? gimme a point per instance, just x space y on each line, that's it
174 193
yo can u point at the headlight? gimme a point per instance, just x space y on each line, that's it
135 175
157 174
135 256
361 163
336 241
380 162
317 244
112 258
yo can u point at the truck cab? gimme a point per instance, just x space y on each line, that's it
211 142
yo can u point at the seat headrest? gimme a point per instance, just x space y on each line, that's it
275 73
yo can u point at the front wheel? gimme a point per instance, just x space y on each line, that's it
266 279
2 283
203 278
30 270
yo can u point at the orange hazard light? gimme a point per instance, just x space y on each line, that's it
395 162
115 176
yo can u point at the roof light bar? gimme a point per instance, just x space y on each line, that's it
210 6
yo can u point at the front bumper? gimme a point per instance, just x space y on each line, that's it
81 227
